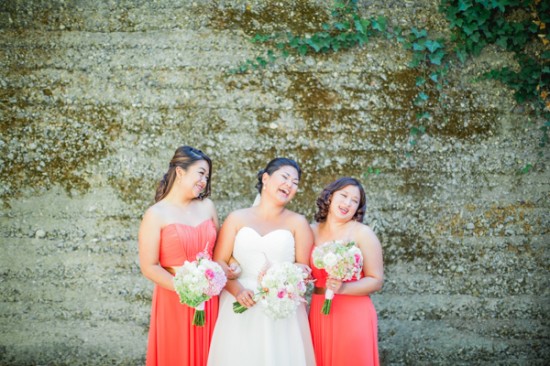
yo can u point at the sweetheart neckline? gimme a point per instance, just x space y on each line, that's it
187 225
266 234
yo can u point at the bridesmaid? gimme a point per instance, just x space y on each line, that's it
348 335
181 223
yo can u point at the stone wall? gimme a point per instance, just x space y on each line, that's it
96 95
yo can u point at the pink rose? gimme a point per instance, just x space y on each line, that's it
209 274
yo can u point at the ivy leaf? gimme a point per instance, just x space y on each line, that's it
464 5
432 46
419 46
423 115
502 41
302 50
435 58
359 26
315 45
379 24
341 26
469 29
420 81
461 54
419 33
499 4
434 77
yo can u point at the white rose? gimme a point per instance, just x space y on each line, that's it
330 259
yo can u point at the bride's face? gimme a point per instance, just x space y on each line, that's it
344 203
282 184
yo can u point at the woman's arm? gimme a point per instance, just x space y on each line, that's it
212 212
373 268
303 237
149 243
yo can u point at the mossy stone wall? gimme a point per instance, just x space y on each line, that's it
96 95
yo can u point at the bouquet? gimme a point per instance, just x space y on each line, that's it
342 261
196 282
281 289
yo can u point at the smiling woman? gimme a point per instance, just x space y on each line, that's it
182 223
257 237
348 334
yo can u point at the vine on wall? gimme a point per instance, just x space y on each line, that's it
512 25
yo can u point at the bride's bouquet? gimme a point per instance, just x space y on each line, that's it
342 261
281 289
196 282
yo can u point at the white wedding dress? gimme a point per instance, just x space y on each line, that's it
252 338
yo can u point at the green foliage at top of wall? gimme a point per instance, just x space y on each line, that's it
513 25
518 26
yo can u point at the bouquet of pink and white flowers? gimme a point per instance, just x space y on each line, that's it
196 282
342 261
281 289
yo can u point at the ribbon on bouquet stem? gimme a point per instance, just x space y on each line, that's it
329 295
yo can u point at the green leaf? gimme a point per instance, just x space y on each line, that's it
525 169
341 26
502 41
423 115
379 24
419 33
464 5
420 81
359 26
435 58
419 46
462 55
469 29
434 77
432 46
315 45
302 50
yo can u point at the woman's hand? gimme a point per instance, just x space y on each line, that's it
334 285
246 298
305 268
233 271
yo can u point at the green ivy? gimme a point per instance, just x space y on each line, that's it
513 25
346 30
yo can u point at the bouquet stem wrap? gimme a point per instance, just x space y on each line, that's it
329 295
198 318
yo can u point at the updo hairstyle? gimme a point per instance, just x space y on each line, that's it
184 157
275 165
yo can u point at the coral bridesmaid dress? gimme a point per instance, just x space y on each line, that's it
348 335
173 340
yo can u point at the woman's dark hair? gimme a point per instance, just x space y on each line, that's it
275 165
324 199
184 157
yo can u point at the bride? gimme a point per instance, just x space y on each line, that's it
267 231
